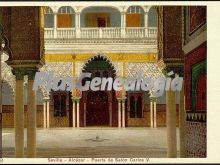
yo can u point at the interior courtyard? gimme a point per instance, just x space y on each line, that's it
106 41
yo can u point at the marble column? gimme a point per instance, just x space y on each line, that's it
123 112
32 117
123 24
182 124
151 113
78 114
155 112
19 114
48 111
74 113
119 112
146 24
55 25
77 24
171 124
45 114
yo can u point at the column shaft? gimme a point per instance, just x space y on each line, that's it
45 115
55 25
123 114
77 116
19 119
182 125
146 23
77 24
123 24
151 114
171 124
48 114
119 113
32 124
74 113
155 114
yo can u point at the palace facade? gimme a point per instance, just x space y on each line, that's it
107 41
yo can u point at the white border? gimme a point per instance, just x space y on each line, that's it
213 90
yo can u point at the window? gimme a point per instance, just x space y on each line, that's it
139 107
135 17
59 105
136 105
135 9
65 17
48 18
152 17
132 107
66 10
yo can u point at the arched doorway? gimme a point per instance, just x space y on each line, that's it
100 107
97 113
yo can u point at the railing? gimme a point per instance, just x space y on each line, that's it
134 32
89 33
112 32
66 33
48 33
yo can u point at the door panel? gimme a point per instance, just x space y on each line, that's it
97 112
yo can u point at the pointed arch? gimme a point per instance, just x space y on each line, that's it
100 57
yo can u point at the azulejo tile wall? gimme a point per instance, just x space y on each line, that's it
196 139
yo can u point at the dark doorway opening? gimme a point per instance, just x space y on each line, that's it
97 113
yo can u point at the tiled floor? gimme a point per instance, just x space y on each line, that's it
94 142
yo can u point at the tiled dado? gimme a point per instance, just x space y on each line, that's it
8 117
196 143
161 117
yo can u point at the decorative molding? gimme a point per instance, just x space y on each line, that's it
125 57
195 42
25 63
196 117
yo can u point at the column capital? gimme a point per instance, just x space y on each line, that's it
78 12
123 12
77 99
124 99
31 73
46 99
153 99
146 12
19 73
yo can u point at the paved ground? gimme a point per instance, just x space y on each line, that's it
94 142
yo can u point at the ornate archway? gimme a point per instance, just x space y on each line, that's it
98 106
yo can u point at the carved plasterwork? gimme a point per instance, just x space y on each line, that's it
7 75
79 68
151 70
119 68
59 69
